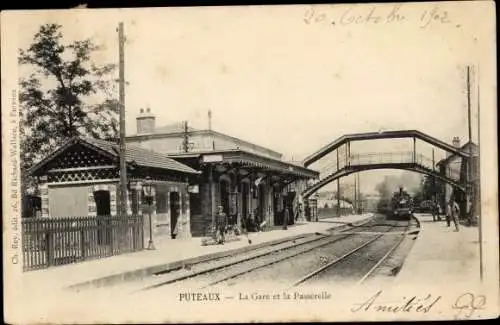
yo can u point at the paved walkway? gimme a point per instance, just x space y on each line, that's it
441 255
168 253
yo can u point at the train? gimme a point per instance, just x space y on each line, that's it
401 205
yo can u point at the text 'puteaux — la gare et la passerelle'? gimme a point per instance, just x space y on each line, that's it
253 296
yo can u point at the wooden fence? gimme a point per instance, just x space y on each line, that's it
64 240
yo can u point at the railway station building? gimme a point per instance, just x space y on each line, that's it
249 181
81 179
453 167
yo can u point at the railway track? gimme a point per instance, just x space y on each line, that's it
236 267
305 239
374 251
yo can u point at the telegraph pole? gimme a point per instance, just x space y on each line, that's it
338 187
469 169
434 192
478 173
210 120
360 200
355 195
123 167
186 137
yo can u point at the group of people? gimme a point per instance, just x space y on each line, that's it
222 225
452 213
252 223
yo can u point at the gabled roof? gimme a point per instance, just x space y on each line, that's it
177 130
133 155
172 128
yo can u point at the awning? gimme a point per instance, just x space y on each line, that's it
252 160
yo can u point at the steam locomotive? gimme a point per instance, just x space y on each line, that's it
401 205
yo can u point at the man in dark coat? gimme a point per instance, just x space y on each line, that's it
221 225
286 218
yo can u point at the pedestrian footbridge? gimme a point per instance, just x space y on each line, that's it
344 162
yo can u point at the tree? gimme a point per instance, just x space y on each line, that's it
431 188
65 95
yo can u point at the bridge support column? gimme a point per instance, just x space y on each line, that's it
348 154
414 150
338 187
338 197
301 209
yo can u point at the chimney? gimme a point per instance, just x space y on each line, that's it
145 122
456 143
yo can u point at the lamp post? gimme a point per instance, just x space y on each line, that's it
148 196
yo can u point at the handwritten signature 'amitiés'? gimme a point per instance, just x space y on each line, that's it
405 305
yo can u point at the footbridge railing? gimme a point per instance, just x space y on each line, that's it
336 160
405 158
386 160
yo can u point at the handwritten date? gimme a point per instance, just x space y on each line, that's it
376 16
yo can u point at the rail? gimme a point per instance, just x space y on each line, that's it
305 246
350 253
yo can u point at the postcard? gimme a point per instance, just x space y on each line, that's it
291 163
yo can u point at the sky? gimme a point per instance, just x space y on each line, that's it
292 78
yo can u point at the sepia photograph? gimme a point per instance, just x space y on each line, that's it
301 163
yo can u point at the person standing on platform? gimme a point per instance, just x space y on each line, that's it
448 213
298 212
455 210
286 218
221 225
435 211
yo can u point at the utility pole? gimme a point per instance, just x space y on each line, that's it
210 120
123 167
338 187
434 193
355 195
478 174
360 200
469 165
186 137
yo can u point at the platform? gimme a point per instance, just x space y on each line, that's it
441 255
168 252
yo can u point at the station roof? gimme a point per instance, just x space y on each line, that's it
134 155
176 131
244 158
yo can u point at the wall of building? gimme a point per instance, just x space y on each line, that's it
161 210
65 200
75 199
452 170
201 223
199 141
167 145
